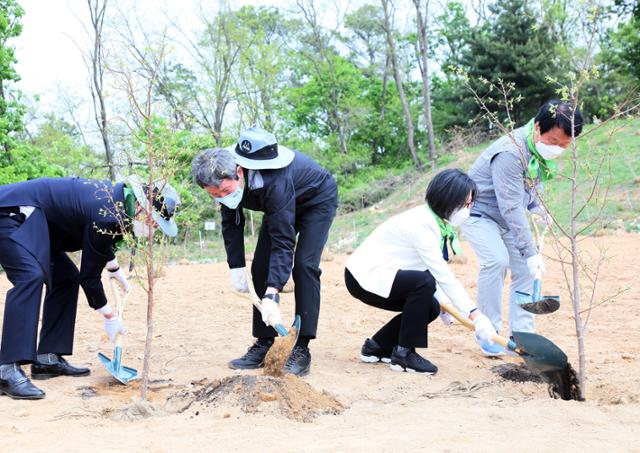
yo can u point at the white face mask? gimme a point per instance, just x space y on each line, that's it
232 200
459 216
549 151
140 229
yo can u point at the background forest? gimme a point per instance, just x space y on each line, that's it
378 92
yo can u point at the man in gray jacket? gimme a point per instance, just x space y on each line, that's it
509 175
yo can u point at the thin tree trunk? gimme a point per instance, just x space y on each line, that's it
426 89
151 276
97 11
383 104
217 120
391 47
575 265
147 343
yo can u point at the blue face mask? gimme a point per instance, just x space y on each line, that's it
232 200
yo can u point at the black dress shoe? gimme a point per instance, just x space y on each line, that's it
299 362
407 359
254 357
53 365
16 384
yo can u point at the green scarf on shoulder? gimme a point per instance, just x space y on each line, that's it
129 209
446 232
129 201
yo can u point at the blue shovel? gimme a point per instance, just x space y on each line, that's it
536 303
122 373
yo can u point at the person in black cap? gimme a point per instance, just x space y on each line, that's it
41 220
298 197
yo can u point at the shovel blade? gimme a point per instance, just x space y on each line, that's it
123 374
283 331
539 353
543 306
296 323
523 298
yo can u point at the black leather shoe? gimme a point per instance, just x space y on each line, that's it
299 362
53 365
16 384
372 352
254 358
407 359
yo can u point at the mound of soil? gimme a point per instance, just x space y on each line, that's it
288 396
518 372
136 410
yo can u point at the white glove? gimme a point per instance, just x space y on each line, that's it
534 263
484 329
114 326
121 278
446 318
116 272
270 311
239 280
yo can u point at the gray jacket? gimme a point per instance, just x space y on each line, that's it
504 191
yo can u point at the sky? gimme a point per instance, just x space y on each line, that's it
45 49
49 49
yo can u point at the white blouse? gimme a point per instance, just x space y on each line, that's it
408 241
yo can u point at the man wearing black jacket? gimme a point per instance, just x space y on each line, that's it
298 197
41 220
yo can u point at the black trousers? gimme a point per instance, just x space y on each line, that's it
312 226
22 305
411 295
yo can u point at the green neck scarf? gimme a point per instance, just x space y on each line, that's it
446 232
538 166
129 210
129 202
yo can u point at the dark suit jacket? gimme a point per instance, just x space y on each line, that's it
282 194
71 214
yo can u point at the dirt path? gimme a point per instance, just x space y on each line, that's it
201 325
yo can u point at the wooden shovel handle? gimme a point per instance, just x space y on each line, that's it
538 236
469 324
257 302
119 303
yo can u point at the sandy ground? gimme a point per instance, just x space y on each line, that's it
201 324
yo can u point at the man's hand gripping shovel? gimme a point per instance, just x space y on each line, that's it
535 303
280 328
122 373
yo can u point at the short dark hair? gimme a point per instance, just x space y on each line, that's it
557 113
448 191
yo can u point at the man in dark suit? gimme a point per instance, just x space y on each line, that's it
41 220
299 199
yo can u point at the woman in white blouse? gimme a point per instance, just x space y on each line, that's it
402 267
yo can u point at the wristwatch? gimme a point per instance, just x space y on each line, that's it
273 296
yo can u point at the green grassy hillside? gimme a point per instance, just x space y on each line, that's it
614 149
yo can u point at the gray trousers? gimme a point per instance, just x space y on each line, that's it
497 253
